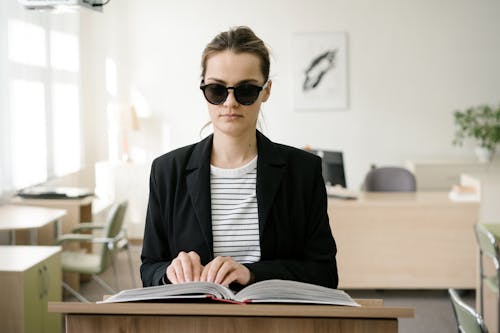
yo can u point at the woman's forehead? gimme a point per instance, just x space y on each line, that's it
228 67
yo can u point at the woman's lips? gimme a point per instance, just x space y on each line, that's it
231 116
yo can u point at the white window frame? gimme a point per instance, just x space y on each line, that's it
10 71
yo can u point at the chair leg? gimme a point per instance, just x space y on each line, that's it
103 284
75 293
497 268
498 312
115 274
132 275
481 277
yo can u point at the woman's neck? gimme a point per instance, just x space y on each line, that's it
231 152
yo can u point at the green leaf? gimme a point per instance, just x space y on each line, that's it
480 123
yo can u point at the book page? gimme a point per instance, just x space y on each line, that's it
173 291
285 291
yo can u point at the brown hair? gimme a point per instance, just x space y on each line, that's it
238 40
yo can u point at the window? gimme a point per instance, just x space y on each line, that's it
66 128
40 93
28 132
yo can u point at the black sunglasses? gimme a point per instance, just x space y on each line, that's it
245 94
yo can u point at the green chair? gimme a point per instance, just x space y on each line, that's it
468 320
113 238
488 247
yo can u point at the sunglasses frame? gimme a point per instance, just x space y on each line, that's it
203 86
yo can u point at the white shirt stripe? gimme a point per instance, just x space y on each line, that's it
235 218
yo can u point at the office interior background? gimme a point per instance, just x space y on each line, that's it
410 65
79 89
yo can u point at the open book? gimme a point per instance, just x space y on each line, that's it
269 291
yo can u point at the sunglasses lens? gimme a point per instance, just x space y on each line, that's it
247 94
215 93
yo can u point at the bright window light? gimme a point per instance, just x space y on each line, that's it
40 125
29 153
64 52
111 79
66 128
141 104
26 43
115 122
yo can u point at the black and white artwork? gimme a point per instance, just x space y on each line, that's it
320 74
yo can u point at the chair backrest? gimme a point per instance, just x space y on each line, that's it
390 179
487 243
468 320
112 229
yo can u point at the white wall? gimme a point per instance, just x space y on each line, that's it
410 65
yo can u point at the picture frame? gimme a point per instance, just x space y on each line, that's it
320 71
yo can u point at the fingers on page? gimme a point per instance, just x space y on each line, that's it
212 268
196 265
171 274
225 269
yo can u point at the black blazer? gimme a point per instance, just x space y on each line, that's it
295 237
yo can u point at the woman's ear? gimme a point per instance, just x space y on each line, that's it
267 91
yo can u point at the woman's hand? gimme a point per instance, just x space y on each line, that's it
225 270
186 267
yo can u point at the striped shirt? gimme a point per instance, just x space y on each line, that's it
235 220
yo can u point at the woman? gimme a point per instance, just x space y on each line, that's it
236 208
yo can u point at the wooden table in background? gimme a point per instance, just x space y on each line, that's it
14 218
217 318
418 240
77 211
30 277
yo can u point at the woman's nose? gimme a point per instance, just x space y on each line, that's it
231 100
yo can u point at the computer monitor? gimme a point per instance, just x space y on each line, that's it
333 167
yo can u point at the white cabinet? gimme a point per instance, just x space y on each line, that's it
30 277
442 175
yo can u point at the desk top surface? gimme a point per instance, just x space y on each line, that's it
54 202
20 258
217 309
16 217
399 199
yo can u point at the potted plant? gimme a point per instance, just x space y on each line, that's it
481 123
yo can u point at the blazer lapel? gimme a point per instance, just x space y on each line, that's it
271 167
198 185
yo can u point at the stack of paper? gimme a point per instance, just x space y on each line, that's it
463 193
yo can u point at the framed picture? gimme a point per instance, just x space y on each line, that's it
319 70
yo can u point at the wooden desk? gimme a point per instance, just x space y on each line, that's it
77 211
217 318
441 175
30 277
14 218
405 241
